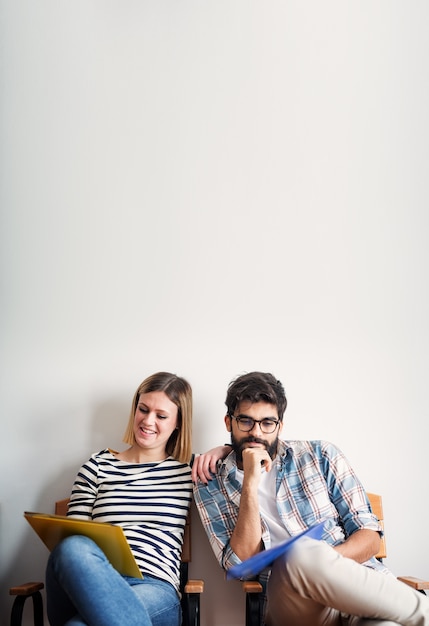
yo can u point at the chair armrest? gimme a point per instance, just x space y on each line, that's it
22 593
27 589
194 586
251 586
415 583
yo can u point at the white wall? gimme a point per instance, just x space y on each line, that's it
212 188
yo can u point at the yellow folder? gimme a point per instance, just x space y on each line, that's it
109 537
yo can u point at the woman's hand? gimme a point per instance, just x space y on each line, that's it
205 464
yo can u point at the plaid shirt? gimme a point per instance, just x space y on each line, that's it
314 482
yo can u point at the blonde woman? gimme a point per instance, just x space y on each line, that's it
146 489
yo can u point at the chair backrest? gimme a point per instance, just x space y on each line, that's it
377 508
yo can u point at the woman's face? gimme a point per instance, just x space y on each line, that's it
154 421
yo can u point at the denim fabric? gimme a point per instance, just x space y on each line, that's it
83 589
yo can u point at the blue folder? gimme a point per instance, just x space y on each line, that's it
258 562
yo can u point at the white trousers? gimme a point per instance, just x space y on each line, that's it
316 586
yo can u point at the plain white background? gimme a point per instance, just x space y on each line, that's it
212 188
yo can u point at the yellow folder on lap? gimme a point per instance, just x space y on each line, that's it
109 537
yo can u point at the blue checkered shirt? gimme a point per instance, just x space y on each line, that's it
314 482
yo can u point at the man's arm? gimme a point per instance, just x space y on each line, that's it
360 546
246 539
220 511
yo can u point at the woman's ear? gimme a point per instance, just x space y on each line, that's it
228 421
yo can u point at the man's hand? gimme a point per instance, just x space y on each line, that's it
253 459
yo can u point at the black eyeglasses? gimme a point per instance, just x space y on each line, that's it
246 424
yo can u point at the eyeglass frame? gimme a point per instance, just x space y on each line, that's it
238 418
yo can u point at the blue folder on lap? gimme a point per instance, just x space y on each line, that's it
258 562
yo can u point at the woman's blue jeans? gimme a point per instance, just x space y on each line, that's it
83 589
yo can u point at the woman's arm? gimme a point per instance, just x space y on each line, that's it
84 491
204 465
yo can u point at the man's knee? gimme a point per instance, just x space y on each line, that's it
309 558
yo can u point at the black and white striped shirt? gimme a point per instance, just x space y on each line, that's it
150 501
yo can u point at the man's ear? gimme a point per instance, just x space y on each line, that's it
228 421
280 427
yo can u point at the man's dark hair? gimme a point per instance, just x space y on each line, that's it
256 387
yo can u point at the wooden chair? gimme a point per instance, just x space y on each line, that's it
190 589
254 591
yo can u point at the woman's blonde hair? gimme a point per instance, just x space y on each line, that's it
179 391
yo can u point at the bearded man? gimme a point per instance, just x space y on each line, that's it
267 490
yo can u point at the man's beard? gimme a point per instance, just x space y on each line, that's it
238 447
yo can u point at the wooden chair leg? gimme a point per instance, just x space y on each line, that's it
22 592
